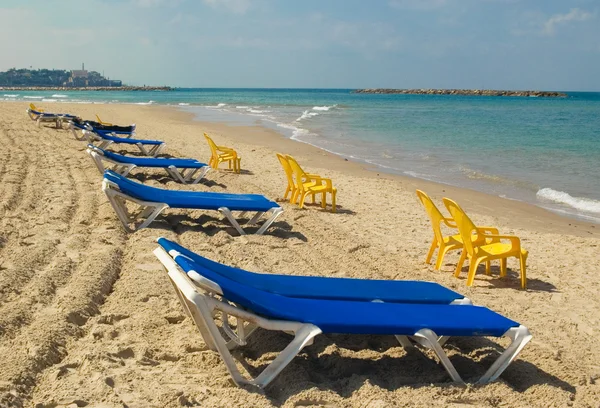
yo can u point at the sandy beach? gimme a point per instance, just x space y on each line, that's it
89 318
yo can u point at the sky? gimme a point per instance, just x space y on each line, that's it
477 44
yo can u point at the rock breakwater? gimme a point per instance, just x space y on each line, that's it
477 92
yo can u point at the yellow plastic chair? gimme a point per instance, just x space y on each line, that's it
445 244
103 123
223 154
448 243
291 188
311 184
479 249
33 107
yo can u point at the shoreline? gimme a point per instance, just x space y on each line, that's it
570 219
530 214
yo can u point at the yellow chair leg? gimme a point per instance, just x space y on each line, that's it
440 258
523 259
302 199
431 251
461 261
502 267
472 270
333 195
488 268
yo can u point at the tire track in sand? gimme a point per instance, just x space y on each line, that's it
60 259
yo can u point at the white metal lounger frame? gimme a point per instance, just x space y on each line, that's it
149 210
202 308
184 175
44 117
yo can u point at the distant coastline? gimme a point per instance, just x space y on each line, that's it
86 88
477 92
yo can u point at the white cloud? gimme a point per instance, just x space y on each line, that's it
575 14
236 6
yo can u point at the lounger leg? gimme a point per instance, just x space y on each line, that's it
255 219
304 333
227 213
157 149
186 176
142 149
150 209
404 341
275 212
520 337
429 339
303 337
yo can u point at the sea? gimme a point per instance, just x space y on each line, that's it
544 151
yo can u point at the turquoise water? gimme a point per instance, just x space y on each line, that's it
543 151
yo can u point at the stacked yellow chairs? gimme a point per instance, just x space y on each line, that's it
221 154
444 243
305 184
485 247
291 188
103 123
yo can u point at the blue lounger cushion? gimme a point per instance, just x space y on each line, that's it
128 141
339 316
191 199
65 115
316 287
152 162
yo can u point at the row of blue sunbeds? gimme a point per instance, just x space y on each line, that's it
415 312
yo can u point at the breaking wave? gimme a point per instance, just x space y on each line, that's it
578 203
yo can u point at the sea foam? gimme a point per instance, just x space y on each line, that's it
11 95
323 108
306 114
59 96
579 203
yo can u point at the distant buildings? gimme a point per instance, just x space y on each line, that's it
79 78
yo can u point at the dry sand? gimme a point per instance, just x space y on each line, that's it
88 318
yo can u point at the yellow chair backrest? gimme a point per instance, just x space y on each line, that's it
101 122
466 227
297 170
212 145
286 168
435 215
32 107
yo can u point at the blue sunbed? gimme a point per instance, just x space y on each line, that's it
307 318
128 131
57 118
105 139
154 200
183 170
318 287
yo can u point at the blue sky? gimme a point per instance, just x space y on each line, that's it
504 44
